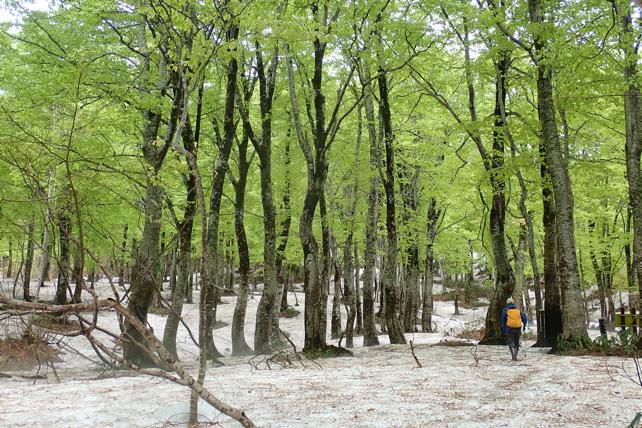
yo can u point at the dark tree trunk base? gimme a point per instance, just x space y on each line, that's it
493 340
328 351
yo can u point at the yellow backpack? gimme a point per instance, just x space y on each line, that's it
514 318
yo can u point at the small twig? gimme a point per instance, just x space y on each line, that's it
412 349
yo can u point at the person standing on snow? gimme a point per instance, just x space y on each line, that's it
512 324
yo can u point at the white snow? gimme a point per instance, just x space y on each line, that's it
379 387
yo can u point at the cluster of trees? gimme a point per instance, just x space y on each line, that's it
404 136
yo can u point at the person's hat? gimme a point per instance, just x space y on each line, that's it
510 300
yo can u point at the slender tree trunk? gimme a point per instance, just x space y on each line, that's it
46 244
210 294
239 345
10 265
431 232
357 295
184 250
28 261
349 294
395 332
123 252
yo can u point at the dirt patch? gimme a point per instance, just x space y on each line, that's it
26 353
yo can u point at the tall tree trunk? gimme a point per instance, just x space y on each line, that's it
64 228
573 325
185 228
553 302
29 262
337 298
285 230
210 294
267 313
239 345
145 266
395 333
431 232
370 337
633 124
504 277
357 294
43 274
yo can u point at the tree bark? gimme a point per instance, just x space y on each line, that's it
210 294
370 337
573 325
239 345
395 332
185 228
633 125
431 232
64 228
26 294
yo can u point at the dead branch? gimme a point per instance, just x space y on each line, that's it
160 356
412 349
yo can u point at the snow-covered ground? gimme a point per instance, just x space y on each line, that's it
378 387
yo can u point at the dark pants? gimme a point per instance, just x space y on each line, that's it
512 339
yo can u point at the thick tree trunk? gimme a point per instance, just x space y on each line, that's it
64 228
78 277
312 285
633 124
504 278
553 302
370 337
573 325
144 275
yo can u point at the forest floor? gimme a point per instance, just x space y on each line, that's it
382 386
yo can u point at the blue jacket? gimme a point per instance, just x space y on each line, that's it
504 327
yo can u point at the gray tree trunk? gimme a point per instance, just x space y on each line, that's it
573 325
